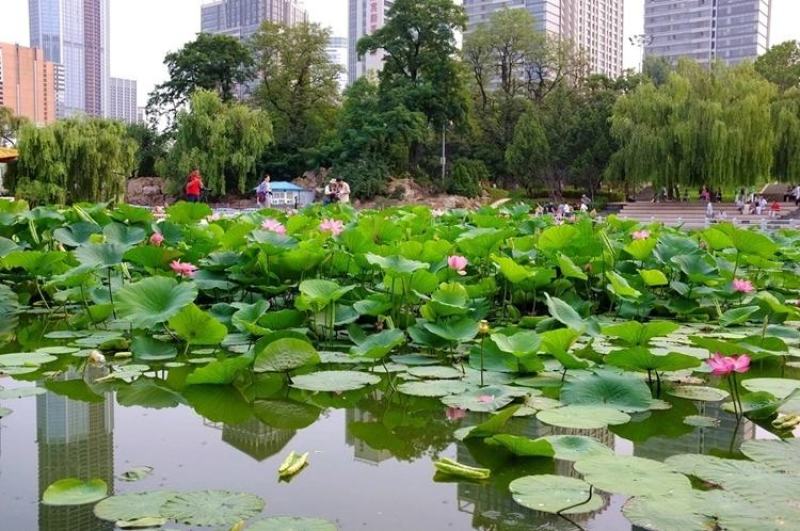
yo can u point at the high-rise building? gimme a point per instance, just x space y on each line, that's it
731 31
337 51
242 18
122 100
595 26
75 35
27 83
365 17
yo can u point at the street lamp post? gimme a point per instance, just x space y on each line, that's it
641 41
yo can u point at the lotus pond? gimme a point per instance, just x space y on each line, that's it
394 370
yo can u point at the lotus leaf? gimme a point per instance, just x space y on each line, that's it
395 265
285 414
569 269
284 354
435 372
779 387
24 359
632 476
575 447
153 300
633 333
653 277
456 330
334 381
212 507
522 446
486 399
136 473
617 391
197 327
21 392
698 392
641 359
145 348
433 388
73 491
379 345
220 372
582 417
555 494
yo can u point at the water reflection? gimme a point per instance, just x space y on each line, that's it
255 438
361 450
75 439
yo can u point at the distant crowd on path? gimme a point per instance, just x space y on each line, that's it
336 191
563 211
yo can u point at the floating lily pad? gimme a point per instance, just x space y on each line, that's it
610 389
21 392
4 412
25 359
136 473
141 523
212 507
66 334
73 491
329 356
684 512
292 523
539 381
11 371
58 350
334 381
435 372
583 417
133 506
699 393
779 387
486 399
782 456
414 359
433 388
148 349
632 476
284 354
701 421
555 494
575 447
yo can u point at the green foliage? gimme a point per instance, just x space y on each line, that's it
73 160
466 177
151 147
528 152
224 140
210 62
298 88
781 65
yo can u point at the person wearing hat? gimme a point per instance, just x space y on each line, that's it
331 193
343 191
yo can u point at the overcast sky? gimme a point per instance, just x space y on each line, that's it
143 31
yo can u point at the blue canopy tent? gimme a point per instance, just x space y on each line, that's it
289 195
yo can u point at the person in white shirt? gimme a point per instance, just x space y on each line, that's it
797 195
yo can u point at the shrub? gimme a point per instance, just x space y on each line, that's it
466 177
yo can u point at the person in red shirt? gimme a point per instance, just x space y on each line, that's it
774 209
194 186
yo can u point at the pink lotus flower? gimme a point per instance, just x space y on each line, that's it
725 365
743 286
273 225
641 234
182 269
334 226
458 264
485 399
157 239
455 413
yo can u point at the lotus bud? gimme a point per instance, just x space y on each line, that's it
96 358
483 327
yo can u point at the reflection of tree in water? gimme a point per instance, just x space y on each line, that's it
406 427
256 439
491 504
75 439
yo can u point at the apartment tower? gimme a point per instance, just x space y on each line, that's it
27 83
595 26
74 34
731 31
242 18
364 18
122 100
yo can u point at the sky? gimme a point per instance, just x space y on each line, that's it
144 31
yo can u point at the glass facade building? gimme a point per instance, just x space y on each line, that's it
365 17
242 18
122 100
595 26
731 31
75 35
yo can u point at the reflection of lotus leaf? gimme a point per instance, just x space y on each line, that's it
212 507
574 447
555 494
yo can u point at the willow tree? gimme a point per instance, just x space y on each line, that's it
74 160
223 140
703 126
786 119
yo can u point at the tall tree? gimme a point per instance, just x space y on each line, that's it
151 147
210 62
781 65
298 87
786 120
704 126
10 124
529 153
421 71
224 140
74 160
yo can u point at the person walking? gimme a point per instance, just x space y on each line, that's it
194 186
264 192
797 195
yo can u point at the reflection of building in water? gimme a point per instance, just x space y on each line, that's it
256 439
700 440
76 440
362 451
495 509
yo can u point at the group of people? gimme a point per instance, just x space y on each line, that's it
564 210
793 194
752 203
337 190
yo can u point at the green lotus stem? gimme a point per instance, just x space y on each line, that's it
483 338
764 328
111 295
41 295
